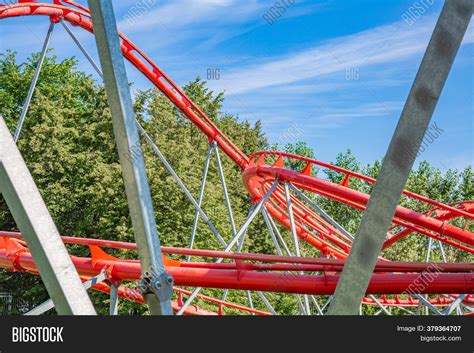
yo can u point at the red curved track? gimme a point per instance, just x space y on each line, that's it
454 278
258 175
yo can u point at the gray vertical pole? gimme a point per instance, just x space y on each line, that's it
156 283
401 154
292 220
427 258
113 305
32 217
441 249
200 197
428 249
291 216
224 188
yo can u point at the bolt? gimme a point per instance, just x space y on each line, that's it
156 284
143 285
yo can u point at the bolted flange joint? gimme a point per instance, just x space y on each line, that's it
160 284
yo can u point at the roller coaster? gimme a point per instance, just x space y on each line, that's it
286 199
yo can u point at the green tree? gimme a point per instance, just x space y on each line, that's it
68 145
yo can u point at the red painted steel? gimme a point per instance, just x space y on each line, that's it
15 257
285 263
257 177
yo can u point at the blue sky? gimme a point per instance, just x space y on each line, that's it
338 72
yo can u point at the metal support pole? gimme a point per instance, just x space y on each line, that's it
224 295
266 218
328 301
376 314
277 232
34 220
289 205
418 308
427 258
401 154
428 255
321 212
292 220
441 249
256 210
239 249
113 307
48 304
157 284
318 307
244 234
454 305
200 197
83 49
249 300
181 184
267 303
382 307
427 304
33 83
270 230
224 188
405 310
428 249
229 246
461 305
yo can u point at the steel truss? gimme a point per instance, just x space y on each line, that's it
282 196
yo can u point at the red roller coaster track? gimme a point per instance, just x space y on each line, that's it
260 171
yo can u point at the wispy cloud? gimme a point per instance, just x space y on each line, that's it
380 45
184 13
201 24
372 109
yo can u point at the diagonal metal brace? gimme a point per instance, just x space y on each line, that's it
414 120
41 234
128 145
48 305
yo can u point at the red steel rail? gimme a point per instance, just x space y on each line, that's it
14 256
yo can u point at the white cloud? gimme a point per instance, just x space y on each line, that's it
200 24
380 45
183 13
372 109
